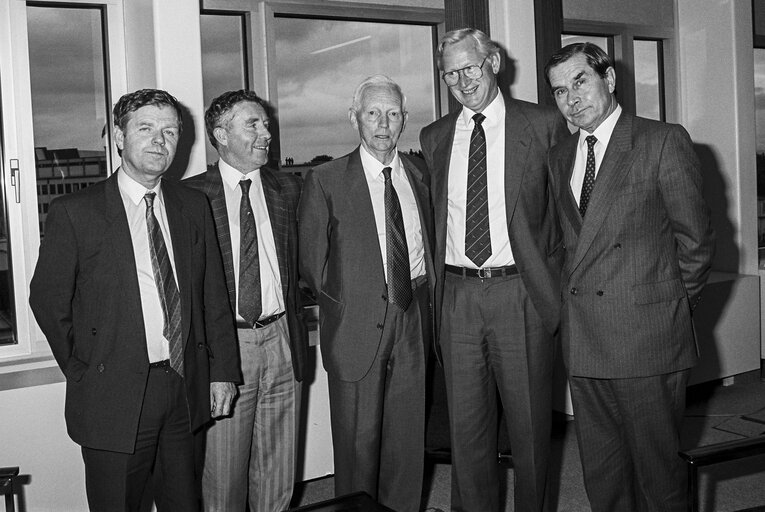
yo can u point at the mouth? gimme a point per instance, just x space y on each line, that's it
468 92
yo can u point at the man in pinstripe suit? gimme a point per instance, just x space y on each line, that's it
639 244
250 456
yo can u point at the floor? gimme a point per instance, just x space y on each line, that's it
728 487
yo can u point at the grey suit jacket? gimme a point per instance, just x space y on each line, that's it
282 191
340 260
636 265
535 236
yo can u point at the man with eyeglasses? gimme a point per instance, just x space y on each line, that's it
364 230
498 258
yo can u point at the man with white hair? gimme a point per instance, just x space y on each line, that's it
365 252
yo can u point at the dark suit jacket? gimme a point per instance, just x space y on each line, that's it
282 192
535 236
340 260
85 296
635 267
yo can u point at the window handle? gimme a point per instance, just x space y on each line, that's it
16 179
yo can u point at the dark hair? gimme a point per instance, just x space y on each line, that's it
597 59
223 104
484 46
132 101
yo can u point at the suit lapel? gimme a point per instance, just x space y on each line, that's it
278 214
616 165
441 159
517 144
213 188
180 234
360 198
564 167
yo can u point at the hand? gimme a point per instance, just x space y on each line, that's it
222 396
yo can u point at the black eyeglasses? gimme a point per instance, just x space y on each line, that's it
473 72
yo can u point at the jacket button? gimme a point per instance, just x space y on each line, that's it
573 291
600 293
93 331
384 297
617 246
379 326
200 345
100 368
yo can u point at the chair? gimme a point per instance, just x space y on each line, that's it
7 475
713 454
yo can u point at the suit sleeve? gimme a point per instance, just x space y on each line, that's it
53 286
681 188
313 229
219 322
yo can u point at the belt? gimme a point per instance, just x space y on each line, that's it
165 363
260 323
482 273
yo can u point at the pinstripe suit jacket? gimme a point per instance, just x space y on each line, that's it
282 191
340 259
636 265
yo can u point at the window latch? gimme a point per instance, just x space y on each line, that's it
15 178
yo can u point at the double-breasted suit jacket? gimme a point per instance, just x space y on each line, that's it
636 265
533 229
282 192
340 259
86 298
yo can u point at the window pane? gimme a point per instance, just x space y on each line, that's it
69 103
648 86
7 308
224 66
320 62
601 41
759 113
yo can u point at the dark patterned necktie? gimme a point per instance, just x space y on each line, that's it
477 235
250 300
589 175
168 290
397 257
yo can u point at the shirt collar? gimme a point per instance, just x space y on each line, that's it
493 111
373 167
231 176
133 190
604 131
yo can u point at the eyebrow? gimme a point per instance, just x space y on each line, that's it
577 77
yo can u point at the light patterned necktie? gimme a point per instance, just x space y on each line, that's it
168 290
589 175
397 252
250 299
477 235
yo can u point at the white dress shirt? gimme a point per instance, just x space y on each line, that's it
270 279
603 134
411 214
133 194
494 130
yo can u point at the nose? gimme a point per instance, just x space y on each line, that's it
383 122
464 80
159 138
572 98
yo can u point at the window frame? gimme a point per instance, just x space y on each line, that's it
18 143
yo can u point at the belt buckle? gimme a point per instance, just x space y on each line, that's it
484 273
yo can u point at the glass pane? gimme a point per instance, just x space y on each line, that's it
759 113
320 62
7 308
70 110
224 65
601 41
648 86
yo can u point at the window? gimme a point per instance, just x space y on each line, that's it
648 79
224 59
759 104
312 55
59 75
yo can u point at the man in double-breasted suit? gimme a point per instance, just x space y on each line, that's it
638 249
365 252
498 256
250 457
129 291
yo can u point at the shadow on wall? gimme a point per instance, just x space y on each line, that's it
185 145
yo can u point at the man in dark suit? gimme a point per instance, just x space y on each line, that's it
498 257
638 249
365 252
250 457
129 291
